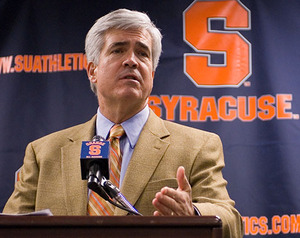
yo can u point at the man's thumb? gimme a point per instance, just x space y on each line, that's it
183 183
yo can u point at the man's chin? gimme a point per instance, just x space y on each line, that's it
130 93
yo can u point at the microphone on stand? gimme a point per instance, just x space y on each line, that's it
94 163
94 167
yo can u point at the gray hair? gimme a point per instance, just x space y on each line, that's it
122 19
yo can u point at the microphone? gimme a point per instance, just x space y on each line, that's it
94 158
94 168
94 163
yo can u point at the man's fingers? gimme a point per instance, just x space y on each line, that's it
157 213
163 205
167 196
170 202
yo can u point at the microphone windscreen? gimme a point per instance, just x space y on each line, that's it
94 152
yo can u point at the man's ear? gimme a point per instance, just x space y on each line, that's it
92 72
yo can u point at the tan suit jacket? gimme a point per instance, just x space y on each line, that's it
51 174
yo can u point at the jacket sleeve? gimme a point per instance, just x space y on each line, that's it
210 195
23 197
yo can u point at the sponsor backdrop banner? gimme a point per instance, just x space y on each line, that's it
230 67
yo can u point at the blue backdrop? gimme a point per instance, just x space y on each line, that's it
206 44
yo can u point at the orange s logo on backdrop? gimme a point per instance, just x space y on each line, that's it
234 72
231 44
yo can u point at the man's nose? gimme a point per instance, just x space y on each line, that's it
130 60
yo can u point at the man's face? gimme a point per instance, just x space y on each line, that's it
125 70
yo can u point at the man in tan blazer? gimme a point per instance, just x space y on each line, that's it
173 169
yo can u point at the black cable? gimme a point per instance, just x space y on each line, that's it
95 185
124 208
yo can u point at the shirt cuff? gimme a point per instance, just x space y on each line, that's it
196 211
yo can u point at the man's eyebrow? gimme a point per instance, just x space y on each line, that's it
118 43
124 43
144 46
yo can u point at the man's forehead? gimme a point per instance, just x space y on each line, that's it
117 37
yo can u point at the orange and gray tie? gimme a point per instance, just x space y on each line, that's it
97 206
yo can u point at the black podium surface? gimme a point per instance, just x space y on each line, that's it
113 226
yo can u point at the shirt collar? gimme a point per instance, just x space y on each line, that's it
133 126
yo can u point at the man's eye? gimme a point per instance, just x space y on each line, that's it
144 54
117 51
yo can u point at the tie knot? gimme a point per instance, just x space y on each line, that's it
116 131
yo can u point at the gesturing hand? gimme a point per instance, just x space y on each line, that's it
171 202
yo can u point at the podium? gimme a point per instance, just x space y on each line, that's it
114 226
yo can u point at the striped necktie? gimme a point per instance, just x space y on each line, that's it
115 157
97 206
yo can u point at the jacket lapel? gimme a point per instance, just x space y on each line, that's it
75 188
147 154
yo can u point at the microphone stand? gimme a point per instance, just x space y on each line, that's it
105 189
115 193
